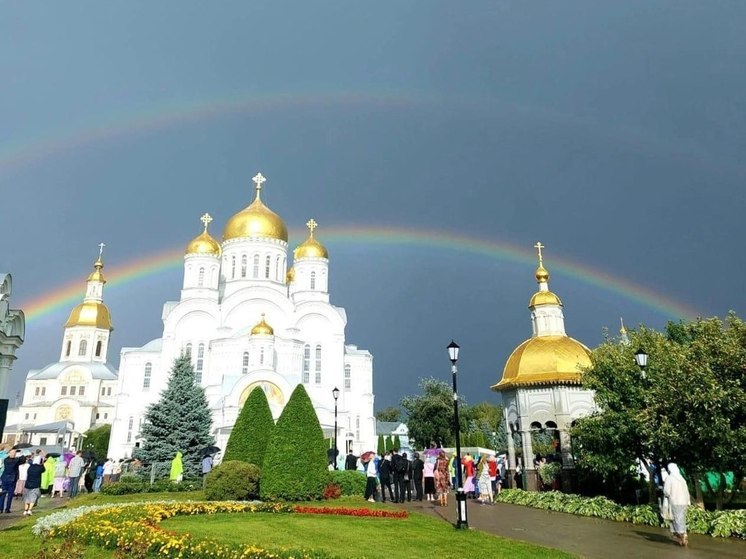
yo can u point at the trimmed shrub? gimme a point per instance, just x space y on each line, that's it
233 481
253 428
397 442
350 482
132 486
331 491
294 466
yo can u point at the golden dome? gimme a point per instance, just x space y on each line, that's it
256 220
204 243
542 274
90 313
97 274
544 298
290 276
262 329
310 248
545 360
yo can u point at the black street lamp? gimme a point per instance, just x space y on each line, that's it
335 393
641 358
461 522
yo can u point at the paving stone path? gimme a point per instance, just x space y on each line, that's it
588 538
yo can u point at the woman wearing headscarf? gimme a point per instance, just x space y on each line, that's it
177 468
47 477
677 493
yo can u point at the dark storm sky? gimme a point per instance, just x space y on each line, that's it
614 132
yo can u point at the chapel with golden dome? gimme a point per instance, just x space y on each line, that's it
251 314
541 381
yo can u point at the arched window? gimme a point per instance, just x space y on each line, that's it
245 365
201 278
146 376
318 364
277 269
83 347
244 263
200 363
261 356
255 271
233 267
267 264
313 280
69 348
188 351
98 348
348 378
306 363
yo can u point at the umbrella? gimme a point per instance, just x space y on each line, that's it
212 449
53 454
366 456
21 446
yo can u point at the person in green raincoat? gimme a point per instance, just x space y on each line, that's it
177 468
47 478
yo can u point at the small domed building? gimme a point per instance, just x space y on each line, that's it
250 319
541 383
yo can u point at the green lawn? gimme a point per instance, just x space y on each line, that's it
357 537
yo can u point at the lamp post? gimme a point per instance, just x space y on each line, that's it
335 393
641 358
461 522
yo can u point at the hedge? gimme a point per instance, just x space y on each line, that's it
232 481
131 486
252 430
350 482
722 524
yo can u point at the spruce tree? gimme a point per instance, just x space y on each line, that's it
179 421
381 446
397 442
390 442
294 466
253 428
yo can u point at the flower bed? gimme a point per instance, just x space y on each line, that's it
133 528
718 524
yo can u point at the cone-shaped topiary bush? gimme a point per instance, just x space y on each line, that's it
251 433
397 442
294 466
381 446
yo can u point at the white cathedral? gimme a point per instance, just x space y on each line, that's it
248 321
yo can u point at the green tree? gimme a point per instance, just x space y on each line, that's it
294 466
430 414
179 421
389 414
381 449
689 406
389 442
397 442
253 428
97 440
485 425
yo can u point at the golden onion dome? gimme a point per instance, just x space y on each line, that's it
542 274
204 243
262 329
256 220
97 274
310 248
545 360
90 313
544 298
290 276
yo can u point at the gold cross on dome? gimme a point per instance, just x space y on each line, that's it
100 250
538 246
259 180
311 224
206 220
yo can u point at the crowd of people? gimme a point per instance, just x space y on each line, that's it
428 476
28 475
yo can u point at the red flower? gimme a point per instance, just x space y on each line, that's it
345 511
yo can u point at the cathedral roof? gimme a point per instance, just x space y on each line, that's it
90 313
98 371
310 248
204 243
256 220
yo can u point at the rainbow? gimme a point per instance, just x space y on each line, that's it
63 298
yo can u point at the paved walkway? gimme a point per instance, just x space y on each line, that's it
44 505
589 538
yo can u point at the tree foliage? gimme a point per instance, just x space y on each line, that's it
253 428
391 413
295 462
97 440
381 449
179 421
430 414
689 407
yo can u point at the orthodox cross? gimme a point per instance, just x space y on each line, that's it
259 179
311 224
538 246
100 250
206 219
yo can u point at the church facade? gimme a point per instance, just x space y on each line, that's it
249 318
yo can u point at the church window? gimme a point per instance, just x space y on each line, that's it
261 356
277 269
43 390
130 424
348 378
306 362
98 416
72 391
37 391
83 347
318 364
233 267
106 416
200 363
146 376
188 351
103 391
245 365
255 271
69 348
313 280
108 393
81 391
357 427
26 416
98 348
244 263
267 264
201 278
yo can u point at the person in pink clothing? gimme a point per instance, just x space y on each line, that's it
429 475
